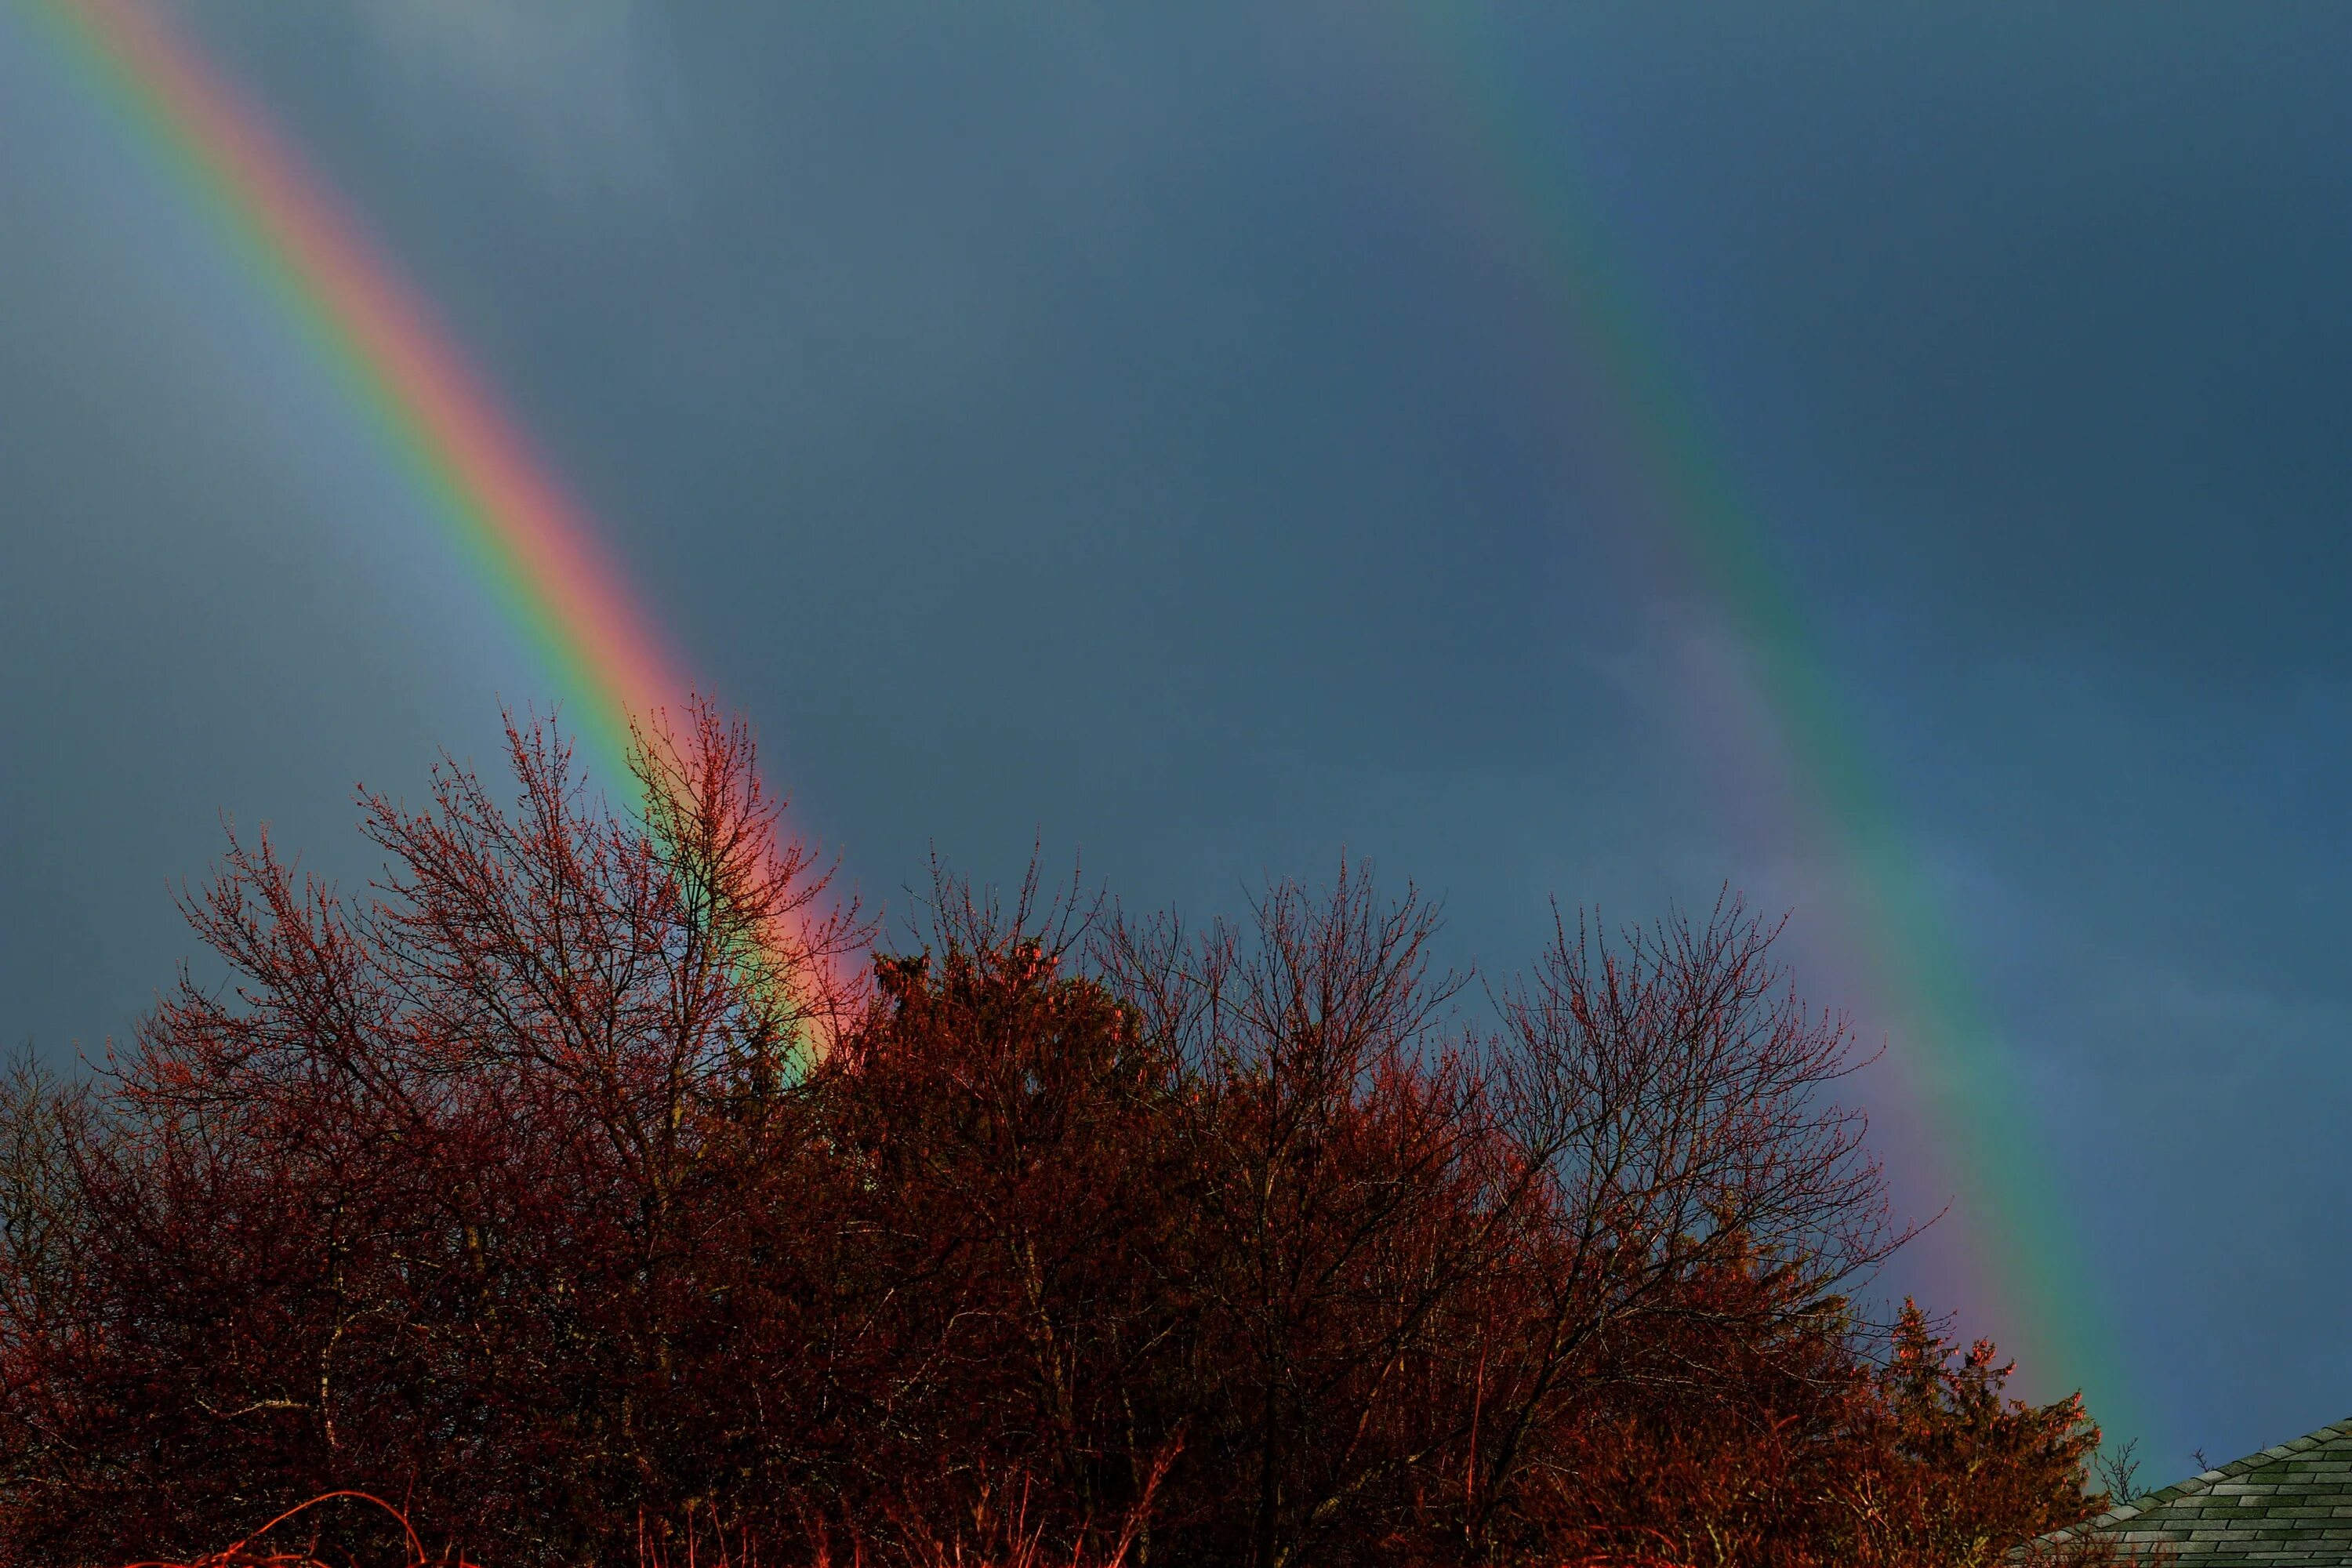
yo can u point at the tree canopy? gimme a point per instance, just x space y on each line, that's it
586 1183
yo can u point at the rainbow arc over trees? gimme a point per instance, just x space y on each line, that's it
538 554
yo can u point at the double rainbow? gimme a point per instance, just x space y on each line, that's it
538 553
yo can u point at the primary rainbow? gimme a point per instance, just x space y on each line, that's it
535 551
1633 432
531 546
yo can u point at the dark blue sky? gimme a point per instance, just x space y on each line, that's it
1142 433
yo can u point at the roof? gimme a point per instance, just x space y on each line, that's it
2291 1504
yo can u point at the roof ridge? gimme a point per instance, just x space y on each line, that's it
2204 1482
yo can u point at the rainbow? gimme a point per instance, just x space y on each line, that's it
537 554
1622 418
534 548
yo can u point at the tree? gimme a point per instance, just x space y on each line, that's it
1353 1201
999 1133
1961 1473
422 1206
1797 1452
572 1188
1669 1092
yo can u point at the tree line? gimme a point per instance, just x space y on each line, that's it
587 1189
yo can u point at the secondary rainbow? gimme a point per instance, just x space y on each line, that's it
1624 417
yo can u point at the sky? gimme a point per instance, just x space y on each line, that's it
1157 436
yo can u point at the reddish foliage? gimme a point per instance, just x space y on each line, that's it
254 1550
518 1191
1793 1453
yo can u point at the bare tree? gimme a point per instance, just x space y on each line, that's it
1351 1194
1670 1092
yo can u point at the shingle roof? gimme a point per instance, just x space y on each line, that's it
2291 1504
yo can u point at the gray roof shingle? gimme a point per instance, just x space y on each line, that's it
2291 1504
